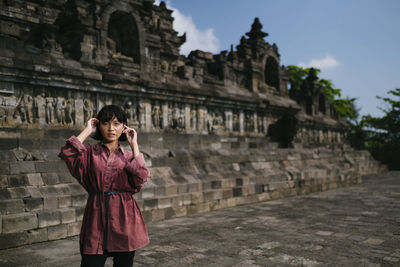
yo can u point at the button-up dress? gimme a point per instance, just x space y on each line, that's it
100 171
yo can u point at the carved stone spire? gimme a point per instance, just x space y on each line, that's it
255 32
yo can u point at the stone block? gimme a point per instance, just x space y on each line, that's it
48 190
237 191
3 181
57 232
164 202
64 201
205 186
33 192
243 200
215 184
50 167
50 202
227 193
157 215
187 199
50 178
74 228
37 235
147 216
22 167
11 206
182 188
169 213
33 203
171 190
149 192
79 211
198 208
4 167
220 204
197 197
65 177
49 218
18 222
263 197
76 189
176 200
13 240
17 180
194 187
34 179
67 215
180 211
150 204
212 195
8 143
228 183
18 192
79 200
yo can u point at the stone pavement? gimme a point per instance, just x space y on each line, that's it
356 226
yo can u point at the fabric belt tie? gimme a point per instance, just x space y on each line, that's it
107 194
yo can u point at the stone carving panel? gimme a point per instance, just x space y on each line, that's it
131 110
156 116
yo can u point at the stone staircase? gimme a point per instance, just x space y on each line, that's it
41 201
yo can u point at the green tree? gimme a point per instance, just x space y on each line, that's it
345 107
382 135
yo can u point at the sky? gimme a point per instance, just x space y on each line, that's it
355 43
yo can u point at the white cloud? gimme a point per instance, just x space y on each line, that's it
321 63
204 40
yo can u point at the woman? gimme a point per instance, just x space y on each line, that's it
113 224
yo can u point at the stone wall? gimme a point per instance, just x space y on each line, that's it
217 130
40 200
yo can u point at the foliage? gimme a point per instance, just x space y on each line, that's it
345 107
382 135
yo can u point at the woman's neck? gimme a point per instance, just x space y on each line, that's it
111 146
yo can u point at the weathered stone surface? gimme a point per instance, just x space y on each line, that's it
37 235
34 179
22 167
13 240
211 126
261 234
15 223
74 228
67 215
57 232
49 217
50 178
33 203
11 206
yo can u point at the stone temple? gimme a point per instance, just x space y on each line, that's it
216 130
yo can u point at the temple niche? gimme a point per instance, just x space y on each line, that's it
311 97
123 37
271 73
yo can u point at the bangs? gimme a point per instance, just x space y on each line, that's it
109 116
110 112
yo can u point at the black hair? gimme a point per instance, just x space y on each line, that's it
106 114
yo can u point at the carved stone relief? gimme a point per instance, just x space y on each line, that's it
87 109
130 109
156 116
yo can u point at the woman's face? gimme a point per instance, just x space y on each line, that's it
111 130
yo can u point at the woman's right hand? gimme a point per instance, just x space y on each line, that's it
91 125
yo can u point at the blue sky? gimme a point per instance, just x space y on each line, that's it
356 43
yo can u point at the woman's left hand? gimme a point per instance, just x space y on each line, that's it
131 135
